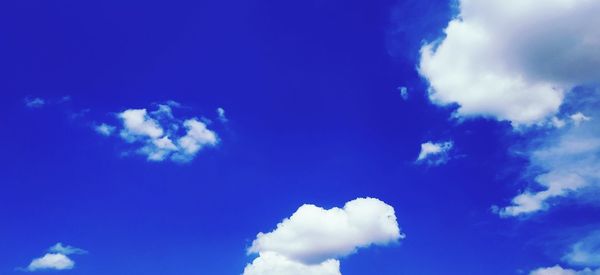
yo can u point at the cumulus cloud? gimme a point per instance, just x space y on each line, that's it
55 261
56 258
569 159
585 252
161 136
313 237
558 270
271 263
522 62
137 124
500 58
434 153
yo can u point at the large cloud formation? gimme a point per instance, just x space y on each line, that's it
514 60
160 136
311 240
521 61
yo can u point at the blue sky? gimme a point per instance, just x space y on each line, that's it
115 148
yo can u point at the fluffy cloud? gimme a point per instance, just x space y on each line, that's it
313 237
434 153
558 270
500 58
137 124
270 263
521 61
55 261
56 258
159 135
196 138
569 158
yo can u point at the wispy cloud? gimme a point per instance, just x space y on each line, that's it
221 115
434 153
585 252
34 102
568 158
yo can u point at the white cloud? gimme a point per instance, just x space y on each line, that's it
159 136
500 58
35 102
137 124
55 261
434 153
557 122
271 263
578 118
558 270
197 137
585 252
313 237
521 61
569 159
105 129
56 258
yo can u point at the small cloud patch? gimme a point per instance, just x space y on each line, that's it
159 135
434 153
56 258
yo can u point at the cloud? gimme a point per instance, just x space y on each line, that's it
55 261
160 136
565 161
500 59
137 124
105 129
221 115
558 270
403 92
67 250
196 138
578 118
271 263
56 258
313 237
434 153
34 102
585 252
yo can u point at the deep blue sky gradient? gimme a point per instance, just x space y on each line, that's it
315 117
